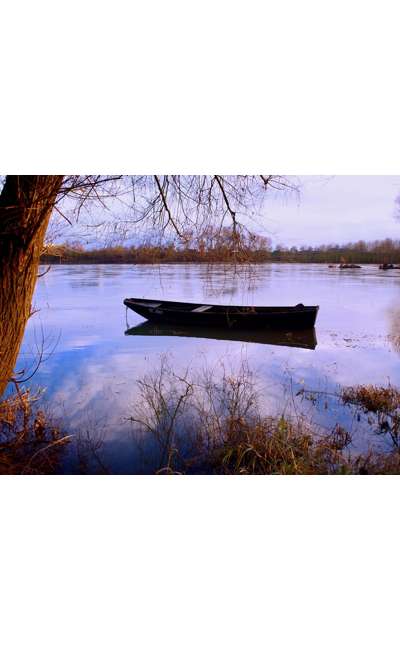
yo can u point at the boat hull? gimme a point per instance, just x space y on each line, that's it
231 317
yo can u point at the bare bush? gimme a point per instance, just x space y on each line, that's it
211 422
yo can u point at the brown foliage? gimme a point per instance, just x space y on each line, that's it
29 443
213 245
376 399
383 402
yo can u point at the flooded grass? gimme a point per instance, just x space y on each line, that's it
381 404
283 447
198 424
230 433
210 420
29 442
374 399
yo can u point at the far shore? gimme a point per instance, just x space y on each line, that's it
222 249
45 261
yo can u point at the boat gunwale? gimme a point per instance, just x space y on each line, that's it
188 307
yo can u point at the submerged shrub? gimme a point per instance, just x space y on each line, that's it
222 417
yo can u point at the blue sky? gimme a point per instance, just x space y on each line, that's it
334 209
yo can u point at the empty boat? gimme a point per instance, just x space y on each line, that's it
227 316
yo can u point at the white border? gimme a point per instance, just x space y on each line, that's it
189 87
233 87
178 562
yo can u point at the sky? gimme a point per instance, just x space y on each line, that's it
327 209
334 209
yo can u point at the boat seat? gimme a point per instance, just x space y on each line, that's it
202 308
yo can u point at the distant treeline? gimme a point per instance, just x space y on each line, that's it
246 248
361 252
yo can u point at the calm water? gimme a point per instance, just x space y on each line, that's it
91 367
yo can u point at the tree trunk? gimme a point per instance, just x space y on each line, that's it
26 203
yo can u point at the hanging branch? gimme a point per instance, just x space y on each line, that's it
168 211
231 212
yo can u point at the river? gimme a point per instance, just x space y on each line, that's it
91 367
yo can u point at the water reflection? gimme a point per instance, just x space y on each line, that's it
294 339
394 328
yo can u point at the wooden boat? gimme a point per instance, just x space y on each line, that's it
293 339
228 316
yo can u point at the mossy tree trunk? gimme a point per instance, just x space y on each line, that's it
26 203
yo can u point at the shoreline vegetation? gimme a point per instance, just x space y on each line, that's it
30 443
231 433
246 248
201 427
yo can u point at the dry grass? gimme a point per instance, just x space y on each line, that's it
29 444
279 446
382 402
374 399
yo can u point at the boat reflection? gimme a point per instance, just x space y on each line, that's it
295 339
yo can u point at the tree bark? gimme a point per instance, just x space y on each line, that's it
26 203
